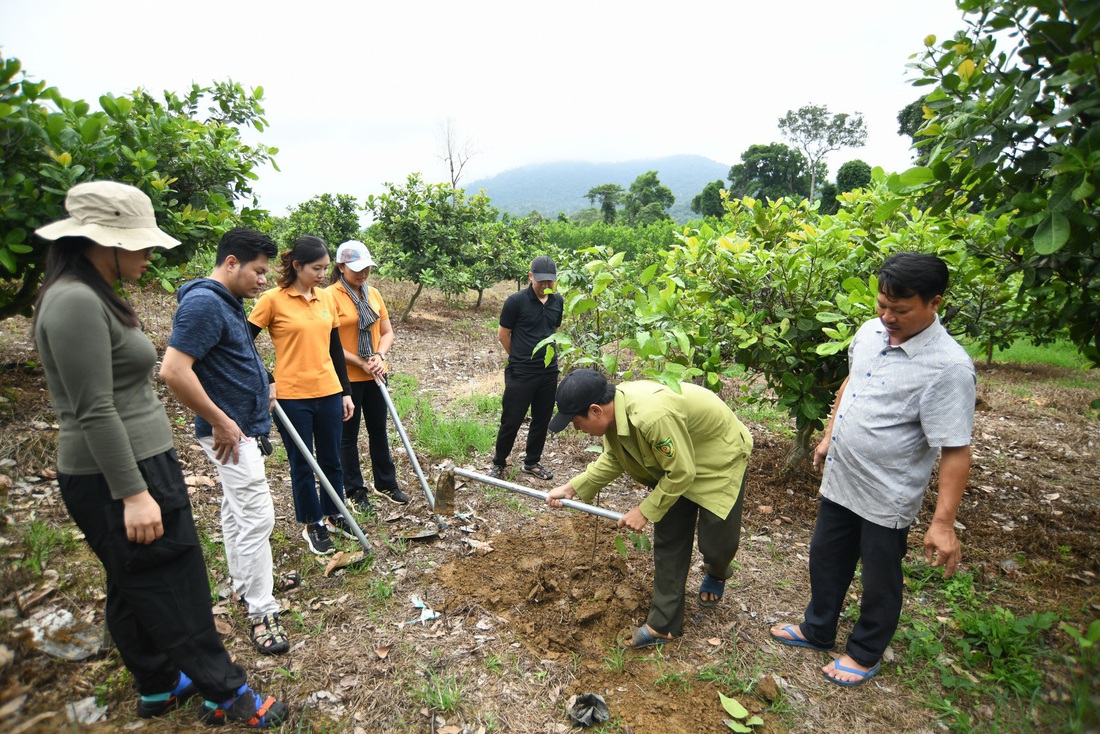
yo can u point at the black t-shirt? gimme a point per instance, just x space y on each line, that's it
531 322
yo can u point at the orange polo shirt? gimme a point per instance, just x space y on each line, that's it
348 315
300 331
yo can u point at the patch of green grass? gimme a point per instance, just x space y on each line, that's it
615 660
669 678
380 589
761 410
439 691
41 541
480 404
120 683
1060 353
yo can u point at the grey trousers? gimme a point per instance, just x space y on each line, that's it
673 537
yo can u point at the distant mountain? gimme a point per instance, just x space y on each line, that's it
551 188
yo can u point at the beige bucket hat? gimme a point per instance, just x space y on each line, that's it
111 214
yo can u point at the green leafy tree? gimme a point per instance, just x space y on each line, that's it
647 201
195 167
503 250
1013 127
770 171
910 120
852 175
334 219
609 196
709 202
429 233
817 132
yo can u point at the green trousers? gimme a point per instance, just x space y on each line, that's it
673 538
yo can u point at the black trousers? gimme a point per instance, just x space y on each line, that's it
158 596
841 539
523 391
370 406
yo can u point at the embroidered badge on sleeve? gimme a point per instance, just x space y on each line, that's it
666 447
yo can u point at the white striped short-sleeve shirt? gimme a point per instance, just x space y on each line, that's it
901 405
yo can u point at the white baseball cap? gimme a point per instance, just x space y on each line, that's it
355 255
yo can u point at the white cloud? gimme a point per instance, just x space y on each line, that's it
355 91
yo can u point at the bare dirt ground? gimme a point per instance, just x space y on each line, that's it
531 600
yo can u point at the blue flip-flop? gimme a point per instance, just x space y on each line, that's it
797 640
864 675
644 638
711 585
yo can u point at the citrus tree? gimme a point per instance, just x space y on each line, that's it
190 161
1011 125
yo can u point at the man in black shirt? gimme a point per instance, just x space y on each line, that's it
527 318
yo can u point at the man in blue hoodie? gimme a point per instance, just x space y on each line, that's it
213 368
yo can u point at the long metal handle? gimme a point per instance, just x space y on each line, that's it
289 428
573 504
439 521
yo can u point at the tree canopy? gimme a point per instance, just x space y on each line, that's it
609 196
770 172
1011 125
817 132
333 218
709 203
647 201
193 165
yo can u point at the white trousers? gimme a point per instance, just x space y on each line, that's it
248 517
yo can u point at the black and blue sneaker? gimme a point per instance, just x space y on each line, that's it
245 708
161 703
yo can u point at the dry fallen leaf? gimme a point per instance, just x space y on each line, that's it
383 652
715 641
198 480
222 626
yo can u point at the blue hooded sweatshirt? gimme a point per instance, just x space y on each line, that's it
210 325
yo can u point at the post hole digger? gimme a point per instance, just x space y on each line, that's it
445 493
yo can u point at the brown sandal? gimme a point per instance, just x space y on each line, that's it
538 471
268 636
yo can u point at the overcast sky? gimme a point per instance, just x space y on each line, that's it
355 92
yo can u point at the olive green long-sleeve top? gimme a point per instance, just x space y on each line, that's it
688 444
99 373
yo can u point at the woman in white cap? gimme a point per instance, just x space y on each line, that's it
311 382
366 335
119 475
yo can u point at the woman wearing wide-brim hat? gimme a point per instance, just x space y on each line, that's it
119 475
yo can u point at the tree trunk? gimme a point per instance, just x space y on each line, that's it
799 450
480 293
405 316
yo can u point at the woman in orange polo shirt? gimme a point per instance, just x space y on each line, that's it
311 382
366 335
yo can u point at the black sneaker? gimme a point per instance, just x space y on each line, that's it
361 499
496 471
245 708
184 690
317 539
393 495
337 525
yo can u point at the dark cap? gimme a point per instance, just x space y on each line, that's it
580 390
543 268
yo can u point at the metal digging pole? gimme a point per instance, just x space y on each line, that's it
440 523
572 504
286 424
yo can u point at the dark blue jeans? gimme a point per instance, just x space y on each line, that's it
370 405
841 539
320 423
